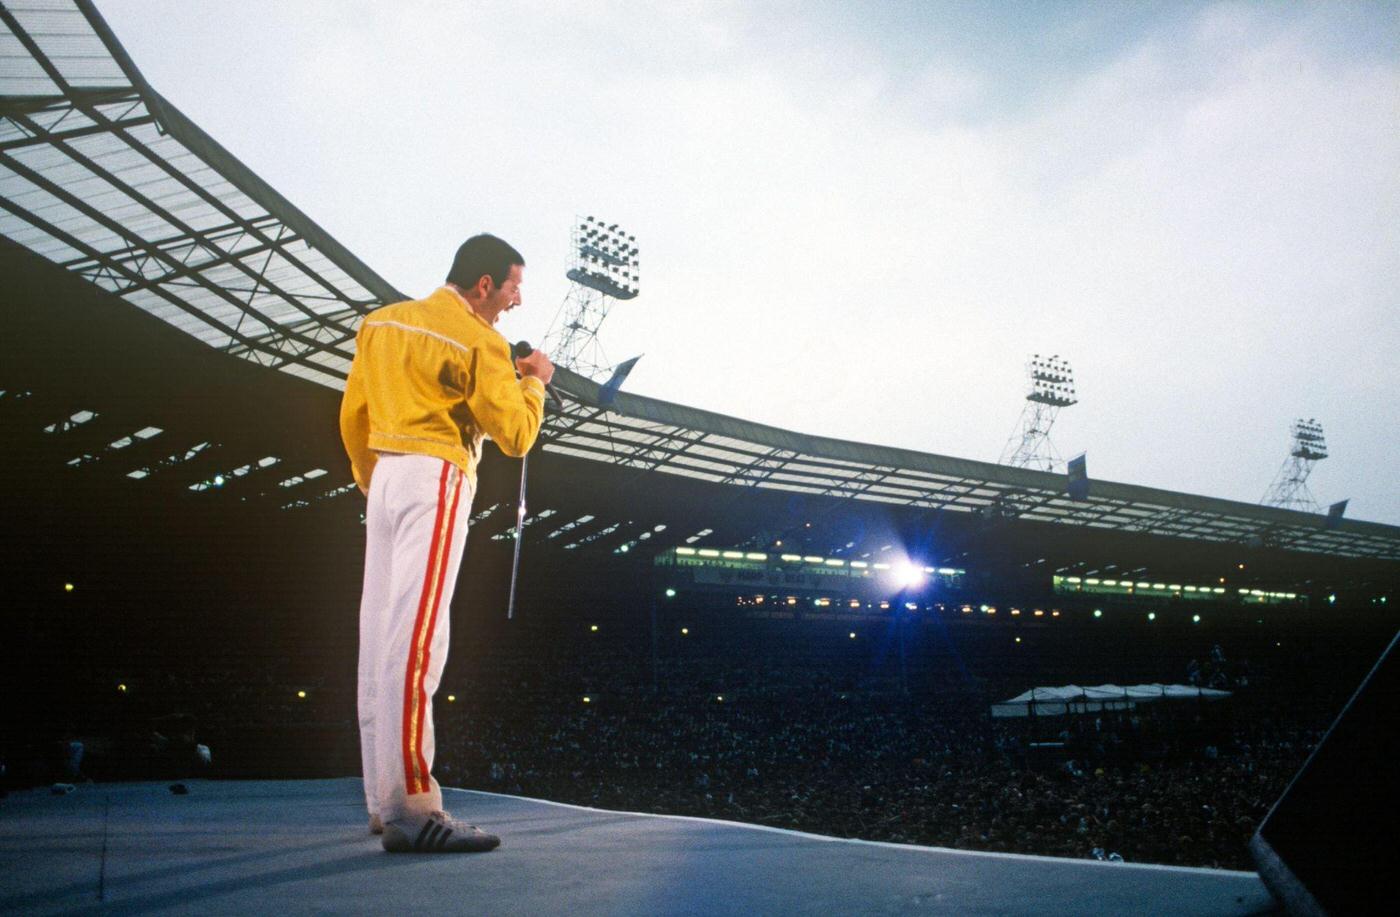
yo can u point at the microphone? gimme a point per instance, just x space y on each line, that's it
522 349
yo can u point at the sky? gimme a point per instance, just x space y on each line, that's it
859 220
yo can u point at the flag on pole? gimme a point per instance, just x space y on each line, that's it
1335 512
607 394
1078 483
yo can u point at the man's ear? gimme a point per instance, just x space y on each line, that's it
485 286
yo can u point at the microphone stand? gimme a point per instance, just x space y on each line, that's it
519 535
521 350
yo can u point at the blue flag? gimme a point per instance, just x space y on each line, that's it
1335 512
607 394
1078 483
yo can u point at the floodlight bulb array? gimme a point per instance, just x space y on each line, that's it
607 259
1052 380
1308 440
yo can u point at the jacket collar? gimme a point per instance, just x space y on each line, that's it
450 296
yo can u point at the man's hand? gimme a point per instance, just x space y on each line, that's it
537 365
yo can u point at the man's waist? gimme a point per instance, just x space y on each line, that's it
461 452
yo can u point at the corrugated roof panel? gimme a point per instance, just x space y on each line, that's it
151 212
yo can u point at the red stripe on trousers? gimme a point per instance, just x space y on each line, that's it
408 701
445 562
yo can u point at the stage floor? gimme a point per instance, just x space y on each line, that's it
302 847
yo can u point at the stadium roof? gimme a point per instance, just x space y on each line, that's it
106 179
645 433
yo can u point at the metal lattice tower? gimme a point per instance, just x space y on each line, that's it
604 270
1051 388
1290 487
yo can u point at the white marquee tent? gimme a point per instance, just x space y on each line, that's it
1057 701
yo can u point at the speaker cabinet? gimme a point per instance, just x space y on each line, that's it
1329 845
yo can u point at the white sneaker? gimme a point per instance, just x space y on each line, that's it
437 832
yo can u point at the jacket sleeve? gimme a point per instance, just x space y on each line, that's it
354 421
509 410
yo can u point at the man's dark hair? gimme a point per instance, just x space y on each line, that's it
483 254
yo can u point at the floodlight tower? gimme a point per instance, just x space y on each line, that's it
1290 487
604 271
1052 388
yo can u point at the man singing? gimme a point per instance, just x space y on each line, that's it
431 379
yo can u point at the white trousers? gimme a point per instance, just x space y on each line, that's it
415 531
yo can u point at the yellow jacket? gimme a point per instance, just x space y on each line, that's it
433 378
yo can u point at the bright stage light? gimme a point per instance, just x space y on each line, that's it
301 694
907 574
670 593
593 628
67 587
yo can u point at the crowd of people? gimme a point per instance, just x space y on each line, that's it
794 745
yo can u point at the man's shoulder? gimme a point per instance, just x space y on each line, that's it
438 315
394 311
407 306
